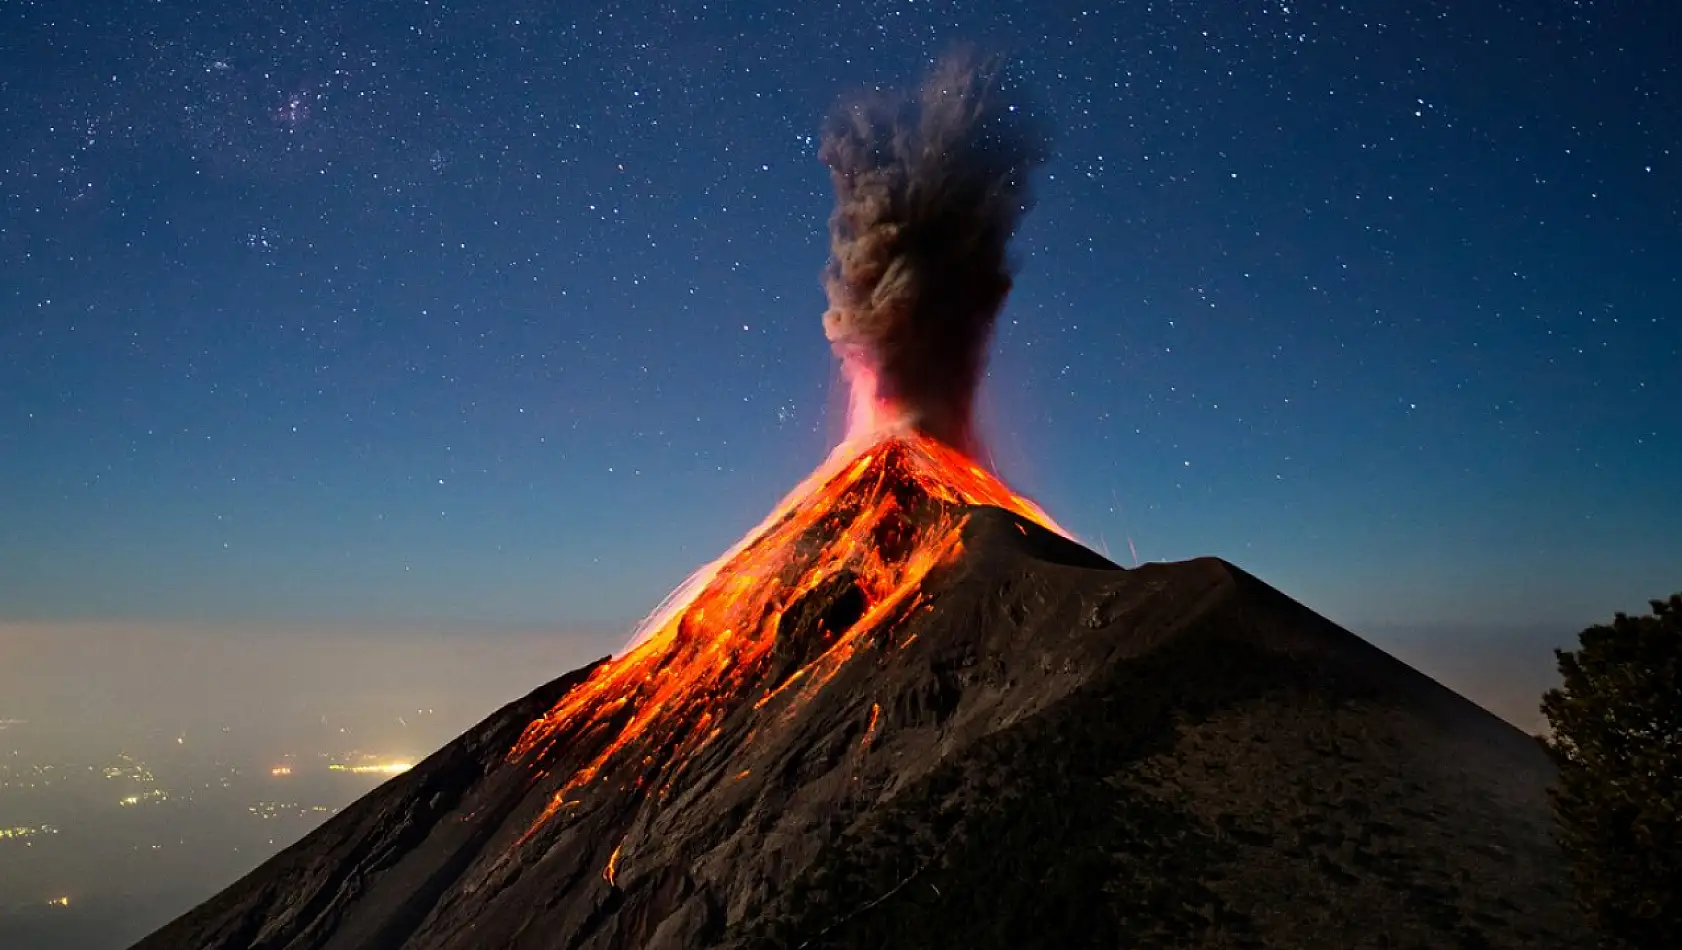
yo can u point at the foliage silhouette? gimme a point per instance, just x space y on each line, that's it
1617 739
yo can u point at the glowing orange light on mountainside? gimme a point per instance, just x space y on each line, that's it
880 514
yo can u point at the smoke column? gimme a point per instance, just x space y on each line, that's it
928 190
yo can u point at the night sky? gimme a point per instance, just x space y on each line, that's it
506 315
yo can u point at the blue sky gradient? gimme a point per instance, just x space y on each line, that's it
506 316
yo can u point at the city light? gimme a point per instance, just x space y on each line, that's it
281 770
382 768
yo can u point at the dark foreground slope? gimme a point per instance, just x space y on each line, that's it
1055 753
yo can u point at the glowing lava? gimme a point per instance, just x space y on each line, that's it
876 517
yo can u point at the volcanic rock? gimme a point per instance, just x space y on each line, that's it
1039 749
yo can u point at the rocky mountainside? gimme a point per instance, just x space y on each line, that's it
1039 749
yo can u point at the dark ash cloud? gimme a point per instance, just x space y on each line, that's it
929 189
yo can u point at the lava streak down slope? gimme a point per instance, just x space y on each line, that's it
970 732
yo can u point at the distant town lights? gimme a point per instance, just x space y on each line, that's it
382 768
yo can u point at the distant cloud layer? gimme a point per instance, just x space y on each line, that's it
115 676
103 677
1503 669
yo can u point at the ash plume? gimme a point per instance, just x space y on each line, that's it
928 190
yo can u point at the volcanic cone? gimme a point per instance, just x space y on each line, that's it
908 710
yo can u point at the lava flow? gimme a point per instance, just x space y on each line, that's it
878 515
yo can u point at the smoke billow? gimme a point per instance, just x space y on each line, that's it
928 190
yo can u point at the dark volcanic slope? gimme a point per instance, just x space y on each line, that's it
1060 754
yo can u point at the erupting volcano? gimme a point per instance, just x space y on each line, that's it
928 192
909 710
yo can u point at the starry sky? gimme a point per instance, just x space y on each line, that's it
506 315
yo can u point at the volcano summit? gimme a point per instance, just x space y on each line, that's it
908 710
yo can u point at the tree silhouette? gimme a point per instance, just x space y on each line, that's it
1617 739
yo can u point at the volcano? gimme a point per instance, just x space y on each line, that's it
908 711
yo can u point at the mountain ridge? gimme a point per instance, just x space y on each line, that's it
1171 755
